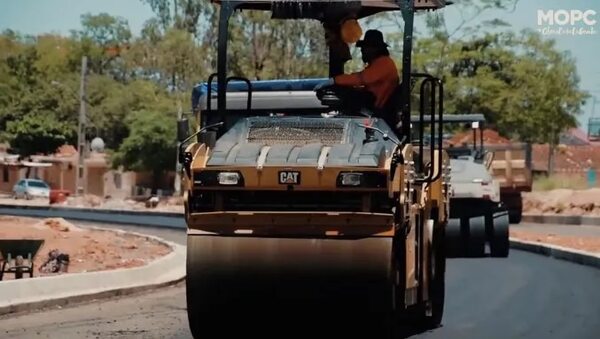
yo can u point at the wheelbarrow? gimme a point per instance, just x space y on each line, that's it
16 256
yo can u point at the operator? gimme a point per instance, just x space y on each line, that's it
379 78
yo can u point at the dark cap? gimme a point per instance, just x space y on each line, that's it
373 38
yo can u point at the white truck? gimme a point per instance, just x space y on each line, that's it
478 215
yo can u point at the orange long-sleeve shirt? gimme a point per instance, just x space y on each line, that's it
380 77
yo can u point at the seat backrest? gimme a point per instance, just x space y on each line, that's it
393 105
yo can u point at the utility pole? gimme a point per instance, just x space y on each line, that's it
81 130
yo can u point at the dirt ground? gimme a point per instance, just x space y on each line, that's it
588 243
88 249
563 201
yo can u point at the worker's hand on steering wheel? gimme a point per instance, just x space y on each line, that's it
328 82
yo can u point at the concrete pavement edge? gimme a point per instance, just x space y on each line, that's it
575 220
557 252
50 291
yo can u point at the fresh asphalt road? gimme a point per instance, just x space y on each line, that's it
524 296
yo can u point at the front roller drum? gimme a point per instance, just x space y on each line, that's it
274 287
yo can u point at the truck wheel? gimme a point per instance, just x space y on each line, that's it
515 216
476 237
514 204
499 243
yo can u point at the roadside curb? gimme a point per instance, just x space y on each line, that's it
562 219
156 219
557 252
31 294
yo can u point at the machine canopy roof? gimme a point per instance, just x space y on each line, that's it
316 9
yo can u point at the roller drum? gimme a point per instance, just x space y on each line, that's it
262 285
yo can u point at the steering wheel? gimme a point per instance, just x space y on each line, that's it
328 96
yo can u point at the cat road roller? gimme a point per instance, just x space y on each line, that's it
477 216
308 217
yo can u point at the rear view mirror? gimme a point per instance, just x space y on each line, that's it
487 159
183 129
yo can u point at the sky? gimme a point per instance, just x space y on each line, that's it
61 16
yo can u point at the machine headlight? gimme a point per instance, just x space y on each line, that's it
217 178
228 178
368 179
351 179
481 181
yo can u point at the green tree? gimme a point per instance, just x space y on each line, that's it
525 87
38 134
180 60
103 39
150 146
112 103
180 14
542 96
26 73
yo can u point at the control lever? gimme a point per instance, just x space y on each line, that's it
369 131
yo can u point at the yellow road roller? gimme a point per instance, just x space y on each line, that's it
307 215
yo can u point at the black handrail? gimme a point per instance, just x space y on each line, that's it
437 87
209 92
438 174
433 128
421 114
249 84
421 123
234 78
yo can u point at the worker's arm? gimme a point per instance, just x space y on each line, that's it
370 75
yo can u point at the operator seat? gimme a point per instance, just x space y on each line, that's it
389 113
